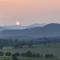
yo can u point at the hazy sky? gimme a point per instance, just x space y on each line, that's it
29 11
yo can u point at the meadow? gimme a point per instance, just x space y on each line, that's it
39 58
52 48
28 58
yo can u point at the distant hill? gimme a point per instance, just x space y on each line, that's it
49 30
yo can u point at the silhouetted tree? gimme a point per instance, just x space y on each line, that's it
28 54
8 54
14 57
17 54
49 55
1 53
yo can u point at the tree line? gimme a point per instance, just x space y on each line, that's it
17 43
26 54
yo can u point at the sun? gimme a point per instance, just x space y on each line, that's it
17 23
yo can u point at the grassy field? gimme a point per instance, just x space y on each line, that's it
38 59
27 58
42 49
5 58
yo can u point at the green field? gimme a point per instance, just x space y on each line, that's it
27 58
42 49
39 59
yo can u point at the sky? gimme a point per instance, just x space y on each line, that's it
29 12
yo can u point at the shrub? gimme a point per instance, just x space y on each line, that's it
28 54
49 55
23 55
17 54
14 57
1 53
36 55
8 54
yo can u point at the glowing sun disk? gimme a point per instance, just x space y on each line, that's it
17 23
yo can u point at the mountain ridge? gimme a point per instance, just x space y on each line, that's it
49 30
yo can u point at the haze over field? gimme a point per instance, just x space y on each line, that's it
29 11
